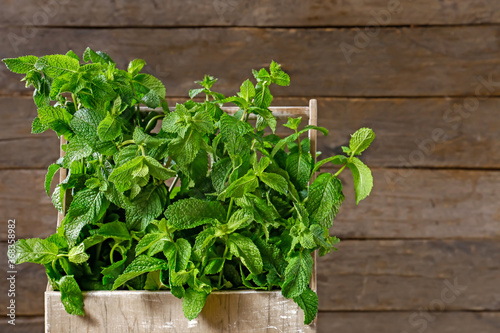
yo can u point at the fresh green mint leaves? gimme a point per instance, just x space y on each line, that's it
242 208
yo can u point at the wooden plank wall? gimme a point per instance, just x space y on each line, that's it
421 254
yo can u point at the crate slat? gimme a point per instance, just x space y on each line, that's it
124 311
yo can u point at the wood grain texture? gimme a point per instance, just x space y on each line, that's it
23 325
28 153
416 203
411 132
242 13
406 322
405 275
17 114
396 62
151 312
23 198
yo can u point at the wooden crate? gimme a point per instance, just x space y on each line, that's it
141 311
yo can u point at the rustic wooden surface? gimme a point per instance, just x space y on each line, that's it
433 214
123 311
406 322
449 59
291 13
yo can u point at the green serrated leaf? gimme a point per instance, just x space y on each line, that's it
77 254
57 64
151 83
109 128
299 167
308 302
71 295
247 91
88 206
35 250
157 170
363 179
239 219
297 274
361 140
178 254
193 302
336 160
147 206
53 168
150 240
243 248
21 65
142 264
190 213
246 184
324 199
275 181
116 230
135 66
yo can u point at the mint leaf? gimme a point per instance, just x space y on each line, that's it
135 66
56 118
243 248
275 181
88 206
151 83
297 274
77 254
38 127
299 166
96 57
247 91
178 254
157 170
116 230
193 302
57 64
53 168
308 302
109 128
246 184
241 218
336 160
220 172
150 240
21 65
142 264
184 150
293 123
123 176
278 76
190 213
35 250
363 180
71 295
361 140
324 199
145 207
312 127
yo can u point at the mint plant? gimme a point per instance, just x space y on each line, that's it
242 211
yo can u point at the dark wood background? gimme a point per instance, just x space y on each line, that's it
422 253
